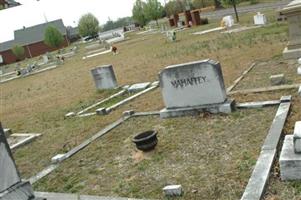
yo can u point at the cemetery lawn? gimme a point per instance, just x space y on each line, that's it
38 103
259 76
211 156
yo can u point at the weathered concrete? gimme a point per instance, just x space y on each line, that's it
260 175
265 89
102 101
43 173
173 190
115 106
297 137
101 111
11 185
290 162
226 107
192 84
104 77
257 104
9 174
278 79
138 86
274 134
293 14
229 89
29 138
63 196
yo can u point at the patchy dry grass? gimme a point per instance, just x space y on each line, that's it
213 155
38 104
259 76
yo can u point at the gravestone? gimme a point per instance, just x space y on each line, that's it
45 59
260 19
104 77
293 14
171 36
228 21
191 88
11 185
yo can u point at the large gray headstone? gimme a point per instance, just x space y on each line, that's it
192 84
104 77
9 174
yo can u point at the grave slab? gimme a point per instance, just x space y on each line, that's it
290 162
138 86
297 137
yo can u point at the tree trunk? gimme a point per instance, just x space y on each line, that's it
235 10
217 4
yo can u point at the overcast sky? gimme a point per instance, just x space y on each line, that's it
33 12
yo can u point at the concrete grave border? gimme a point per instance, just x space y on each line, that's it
33 73
230 88
29 138
265 89
257 183
97 54
153 86
256 186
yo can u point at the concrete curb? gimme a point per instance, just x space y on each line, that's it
259 178
229 89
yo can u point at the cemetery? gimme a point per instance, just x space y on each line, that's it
208 112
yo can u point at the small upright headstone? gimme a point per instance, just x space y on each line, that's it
171 36
228 21
45 59
278 79
260 19
193 87
104 77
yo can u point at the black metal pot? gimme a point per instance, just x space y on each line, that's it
146 141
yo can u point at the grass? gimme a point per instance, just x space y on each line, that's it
259 76
211 154
38 104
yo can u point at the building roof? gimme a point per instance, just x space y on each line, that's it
32 34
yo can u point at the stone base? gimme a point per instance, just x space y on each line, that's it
226 107
292 53
290 162
20 191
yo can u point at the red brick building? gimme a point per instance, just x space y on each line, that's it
32 39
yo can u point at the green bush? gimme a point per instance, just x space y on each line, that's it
53 37
18 51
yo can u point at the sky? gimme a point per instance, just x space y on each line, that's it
33 12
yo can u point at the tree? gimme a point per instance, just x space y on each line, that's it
233 3
153 10
18 51
174 7
88 25
52 37
138 12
